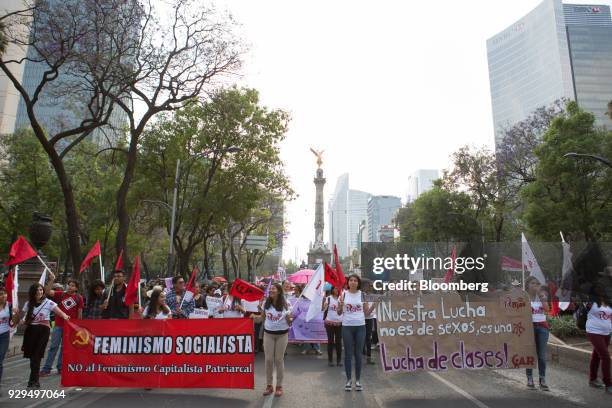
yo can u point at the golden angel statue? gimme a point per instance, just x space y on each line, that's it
319 155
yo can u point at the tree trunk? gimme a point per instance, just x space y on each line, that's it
206 264
224 259
123 216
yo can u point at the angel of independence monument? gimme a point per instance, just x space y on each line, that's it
319 251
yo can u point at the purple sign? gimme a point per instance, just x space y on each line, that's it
302 331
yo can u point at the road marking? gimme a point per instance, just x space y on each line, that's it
268 401
457 389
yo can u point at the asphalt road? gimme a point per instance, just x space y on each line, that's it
309 382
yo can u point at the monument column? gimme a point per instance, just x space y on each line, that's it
319 252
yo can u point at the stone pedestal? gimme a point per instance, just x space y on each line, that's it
317 255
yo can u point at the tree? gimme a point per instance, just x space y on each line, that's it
63 38
221 194
439 215
572 196
180 46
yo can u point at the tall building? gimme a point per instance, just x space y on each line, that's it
419 182
381 210
61 105
346 209
9 96
556 51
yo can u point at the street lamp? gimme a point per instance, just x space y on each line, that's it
231 149
589 156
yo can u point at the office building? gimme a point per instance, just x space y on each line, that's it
419 182
381 211
556 51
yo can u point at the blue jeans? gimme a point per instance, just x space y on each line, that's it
354 339
541 340
4 343
56 343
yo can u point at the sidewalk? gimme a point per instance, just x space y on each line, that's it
15 346
571 353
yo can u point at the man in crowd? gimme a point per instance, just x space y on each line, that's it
114 306
69 302
180 305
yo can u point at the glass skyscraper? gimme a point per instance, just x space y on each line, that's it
556 51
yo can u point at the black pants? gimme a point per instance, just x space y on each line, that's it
374 332
334 340
367 348
34 369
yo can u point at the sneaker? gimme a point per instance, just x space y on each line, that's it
330 364
348 386
358 386
304 352
269 390
30 384
44 373
543 385
530 383
319 353
596 384
339 364
279 392
36 384
370 361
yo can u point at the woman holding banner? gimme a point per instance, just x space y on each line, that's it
157 308
539 307
333 327
276 313
353 310
36 335
232 307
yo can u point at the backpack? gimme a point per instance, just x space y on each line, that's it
581 315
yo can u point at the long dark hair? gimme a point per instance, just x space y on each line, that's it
154 305
280 302
32 301
91 294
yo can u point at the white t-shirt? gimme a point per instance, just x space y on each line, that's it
537 312
599 320
332 310
42 313
4 319
353 313
372 314
276 320
161 315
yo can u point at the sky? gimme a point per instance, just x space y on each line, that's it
385 87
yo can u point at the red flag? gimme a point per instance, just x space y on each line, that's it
119 264
20 251
192 279
555 309
131 292
244 290
449 273
93 252
10 285
338 268
331 276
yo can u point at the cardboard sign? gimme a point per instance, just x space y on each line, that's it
438 332
214 304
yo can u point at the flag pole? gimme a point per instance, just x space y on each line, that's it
562 238
101 268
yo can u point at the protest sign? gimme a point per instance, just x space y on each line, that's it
302 331
214 304
441 332
204 353
199 313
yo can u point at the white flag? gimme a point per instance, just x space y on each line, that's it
529 261
43 277
564 291
314 291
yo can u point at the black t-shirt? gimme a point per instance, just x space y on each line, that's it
116 305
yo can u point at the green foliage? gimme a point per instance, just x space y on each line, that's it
438 215
564 326
571 195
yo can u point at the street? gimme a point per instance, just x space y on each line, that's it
309 382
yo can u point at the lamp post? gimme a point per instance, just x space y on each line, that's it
232 149
603 160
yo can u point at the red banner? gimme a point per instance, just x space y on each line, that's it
199 353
